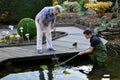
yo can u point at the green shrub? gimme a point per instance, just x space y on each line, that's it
71 6
29 27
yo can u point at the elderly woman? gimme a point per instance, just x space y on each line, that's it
45 21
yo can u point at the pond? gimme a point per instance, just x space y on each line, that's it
78 68
58 74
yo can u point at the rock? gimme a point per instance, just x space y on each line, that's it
114 45
114 25
91 12
67 18
96 31
109 33
113 29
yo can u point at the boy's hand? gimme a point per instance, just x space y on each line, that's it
52 27
80 53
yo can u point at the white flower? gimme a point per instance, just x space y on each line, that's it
17 36
11 27
21 29
27 35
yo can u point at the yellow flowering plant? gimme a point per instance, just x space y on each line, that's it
55 2
99 7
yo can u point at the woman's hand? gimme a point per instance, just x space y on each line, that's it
44 33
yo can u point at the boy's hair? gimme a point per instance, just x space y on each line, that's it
87 32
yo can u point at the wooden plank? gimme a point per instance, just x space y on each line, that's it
16 52
74 38
62 45
68 44
70 30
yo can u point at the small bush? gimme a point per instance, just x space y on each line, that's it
71 6
29 27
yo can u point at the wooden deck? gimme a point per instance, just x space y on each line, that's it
62 45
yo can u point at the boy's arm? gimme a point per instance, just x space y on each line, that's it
90 50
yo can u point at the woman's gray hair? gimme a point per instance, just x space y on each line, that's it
58 8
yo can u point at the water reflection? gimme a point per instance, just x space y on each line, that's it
73 75
23 76
62 73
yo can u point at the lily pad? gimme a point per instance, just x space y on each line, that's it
43 67
66 72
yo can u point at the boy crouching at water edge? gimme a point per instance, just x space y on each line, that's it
97 50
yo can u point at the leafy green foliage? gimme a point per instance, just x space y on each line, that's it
82 3
71 6
11 11
28 26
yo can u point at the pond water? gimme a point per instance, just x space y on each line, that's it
77 69
59 73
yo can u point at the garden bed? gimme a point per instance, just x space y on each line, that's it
25 42
81 19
